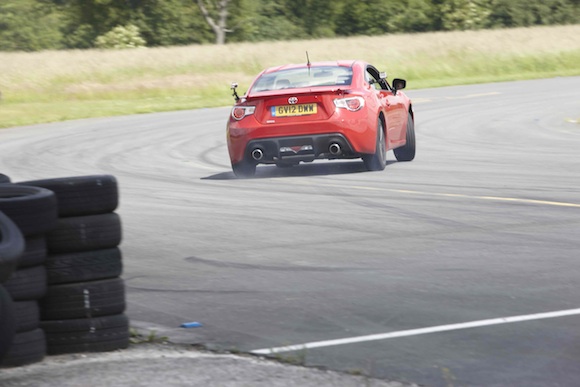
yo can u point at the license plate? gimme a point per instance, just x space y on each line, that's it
294 110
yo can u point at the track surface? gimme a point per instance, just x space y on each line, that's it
485 223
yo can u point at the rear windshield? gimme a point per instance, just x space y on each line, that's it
304 77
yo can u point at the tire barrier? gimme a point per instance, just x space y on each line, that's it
84 266
83 300
4 178
97 334
7 322
85 233
26 348
82 195
27 315
11 246
34 252
33 211
84 305
27 284
65 293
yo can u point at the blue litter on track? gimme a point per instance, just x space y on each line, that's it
191 325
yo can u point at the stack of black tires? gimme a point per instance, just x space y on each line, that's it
34 211
81 308
11 248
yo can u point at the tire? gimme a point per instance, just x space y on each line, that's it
27 284
378 160
27 347
4 179
82 195
100 334
7 322
83 300
34 253
85 233
11 247
32 209
84 266
244 169
407 152
27 315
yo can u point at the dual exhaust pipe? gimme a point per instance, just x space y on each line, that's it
334 149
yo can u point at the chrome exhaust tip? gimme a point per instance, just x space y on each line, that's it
257 154
334 149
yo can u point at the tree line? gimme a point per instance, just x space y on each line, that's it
31 25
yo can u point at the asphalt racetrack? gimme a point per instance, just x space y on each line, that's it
460 268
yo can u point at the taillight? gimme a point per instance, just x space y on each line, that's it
239 112
353 103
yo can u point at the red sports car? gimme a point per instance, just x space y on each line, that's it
324 110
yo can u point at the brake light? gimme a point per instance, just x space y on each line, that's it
352 104
239 112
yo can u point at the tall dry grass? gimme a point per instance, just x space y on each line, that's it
55 85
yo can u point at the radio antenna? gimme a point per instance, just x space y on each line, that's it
308 63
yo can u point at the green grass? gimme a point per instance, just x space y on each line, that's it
62 85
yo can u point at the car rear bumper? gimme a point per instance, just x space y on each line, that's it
294 149
356 136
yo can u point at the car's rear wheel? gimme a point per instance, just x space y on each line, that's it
407 152
244 168
378 160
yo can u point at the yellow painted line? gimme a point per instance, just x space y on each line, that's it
452 195
420 100
423 100
475 95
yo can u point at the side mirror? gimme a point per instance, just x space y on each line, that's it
399 84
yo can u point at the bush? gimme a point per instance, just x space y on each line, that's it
28 26
121 37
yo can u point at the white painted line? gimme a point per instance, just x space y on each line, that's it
420 331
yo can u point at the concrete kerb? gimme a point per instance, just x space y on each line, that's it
157 362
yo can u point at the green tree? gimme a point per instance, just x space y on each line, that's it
161 22
364 18
376 17
85 20
28 25
316 17
171 22
412 16
45 24
259 20
522 13
465 14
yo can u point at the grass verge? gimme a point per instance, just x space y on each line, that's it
62 85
